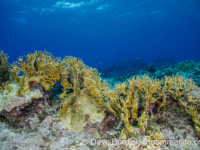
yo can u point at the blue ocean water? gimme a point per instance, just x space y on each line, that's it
102 32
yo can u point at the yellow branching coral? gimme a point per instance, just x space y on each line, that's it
72 74
192 111
180 88
66 87
3 58
81 79
5 85
157 141
143 120
94 86
143 92
40 64
14 70
83 92
51 75
124 100
122 135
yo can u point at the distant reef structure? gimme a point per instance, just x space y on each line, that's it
187 69
159 62
197 60
123 68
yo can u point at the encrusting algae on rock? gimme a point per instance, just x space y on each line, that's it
86 98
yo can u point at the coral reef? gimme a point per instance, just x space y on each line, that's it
129 67
66 104
159 62
82 87
142 94
123 68
83 91
187 69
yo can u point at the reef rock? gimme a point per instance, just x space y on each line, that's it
16 101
